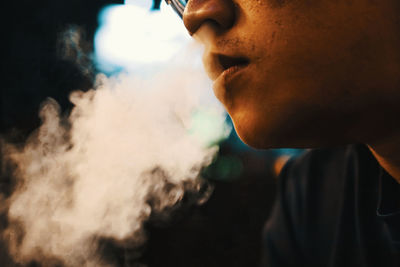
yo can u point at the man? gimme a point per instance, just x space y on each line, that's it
315 74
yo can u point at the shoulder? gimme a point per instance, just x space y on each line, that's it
316 162
316 169
314 186
313 190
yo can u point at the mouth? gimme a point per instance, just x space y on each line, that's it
218 64
229 65
228 72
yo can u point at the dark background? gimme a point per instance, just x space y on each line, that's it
226 231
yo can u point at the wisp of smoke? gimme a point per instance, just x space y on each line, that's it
124 153
73 47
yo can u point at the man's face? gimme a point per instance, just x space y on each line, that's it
302 73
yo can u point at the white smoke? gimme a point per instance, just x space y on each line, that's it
124 153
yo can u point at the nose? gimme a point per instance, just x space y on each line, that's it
220 13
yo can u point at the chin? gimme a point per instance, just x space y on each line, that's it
270 139
253 136
261 141
258 131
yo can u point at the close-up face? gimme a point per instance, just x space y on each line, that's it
302 73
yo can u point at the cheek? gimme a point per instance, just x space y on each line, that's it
279 106
314 71
297 61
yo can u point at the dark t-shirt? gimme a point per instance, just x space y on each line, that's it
335 207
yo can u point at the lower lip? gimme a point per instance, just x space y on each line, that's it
230 72
222 83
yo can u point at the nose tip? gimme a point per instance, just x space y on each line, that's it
221 14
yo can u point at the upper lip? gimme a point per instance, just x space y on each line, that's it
217 63
227 61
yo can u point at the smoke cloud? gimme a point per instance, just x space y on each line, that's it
73 46
125 153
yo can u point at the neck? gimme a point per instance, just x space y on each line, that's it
387 153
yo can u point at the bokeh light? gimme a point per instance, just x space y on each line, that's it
132 36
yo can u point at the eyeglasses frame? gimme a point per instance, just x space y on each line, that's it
177 6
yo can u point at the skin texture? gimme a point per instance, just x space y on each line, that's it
320 72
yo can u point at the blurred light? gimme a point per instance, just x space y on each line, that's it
147 4
225 168
131 35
